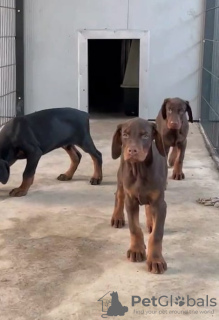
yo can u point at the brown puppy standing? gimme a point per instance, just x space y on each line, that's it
173 126
141 180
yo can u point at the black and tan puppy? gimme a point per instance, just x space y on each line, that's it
141 180
31 136
173 126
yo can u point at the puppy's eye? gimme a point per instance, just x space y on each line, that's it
145 136
125 135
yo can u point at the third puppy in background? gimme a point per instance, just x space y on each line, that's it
173 126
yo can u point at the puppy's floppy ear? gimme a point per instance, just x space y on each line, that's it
189 111
116 149
163 108
158 140
4 171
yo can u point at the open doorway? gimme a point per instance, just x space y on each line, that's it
113 77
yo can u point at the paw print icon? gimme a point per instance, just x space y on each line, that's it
180 301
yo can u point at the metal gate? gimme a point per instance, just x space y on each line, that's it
11 59
210 74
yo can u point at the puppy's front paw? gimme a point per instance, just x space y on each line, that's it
63 177
178 175
18 192
95 181
137 253
118 220
156 265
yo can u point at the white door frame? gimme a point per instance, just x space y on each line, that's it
85 35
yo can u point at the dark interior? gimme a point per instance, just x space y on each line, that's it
105 77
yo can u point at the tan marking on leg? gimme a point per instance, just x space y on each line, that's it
97 176
149 218
73 165
172 156
23 189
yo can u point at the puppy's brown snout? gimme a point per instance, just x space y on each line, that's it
174 124
132 151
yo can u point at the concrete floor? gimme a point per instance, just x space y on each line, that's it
59 255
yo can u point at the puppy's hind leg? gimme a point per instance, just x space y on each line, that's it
89 147
75 157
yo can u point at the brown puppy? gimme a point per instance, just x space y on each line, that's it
141 180
173 126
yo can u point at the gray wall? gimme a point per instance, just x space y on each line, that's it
51 47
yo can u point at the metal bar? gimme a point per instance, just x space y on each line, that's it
210 73
215 112
210 40
8 65
211 8
4 7
4 117
19 58
7 94
6 37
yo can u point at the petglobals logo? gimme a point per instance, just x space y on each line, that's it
111 305
171 301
